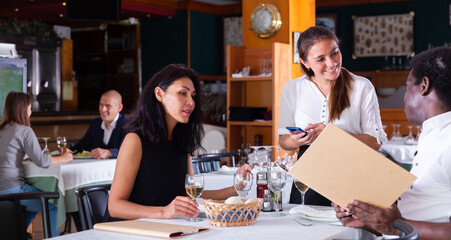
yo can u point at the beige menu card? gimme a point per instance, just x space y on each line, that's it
342 168
151 229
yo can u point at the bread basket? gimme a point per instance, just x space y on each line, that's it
220 214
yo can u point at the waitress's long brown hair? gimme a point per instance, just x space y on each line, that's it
342 86
15 109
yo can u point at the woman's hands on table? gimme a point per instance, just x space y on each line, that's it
65 158
181 206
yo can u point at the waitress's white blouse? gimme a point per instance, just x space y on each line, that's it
302 103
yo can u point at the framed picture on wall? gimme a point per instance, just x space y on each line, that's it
385 35
328 20
295 47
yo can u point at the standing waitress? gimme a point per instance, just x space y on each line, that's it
327 93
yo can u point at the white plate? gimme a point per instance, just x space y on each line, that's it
229 171
320 219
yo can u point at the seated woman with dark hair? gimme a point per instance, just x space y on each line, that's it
165 129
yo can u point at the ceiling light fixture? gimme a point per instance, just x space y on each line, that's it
64 3
16 9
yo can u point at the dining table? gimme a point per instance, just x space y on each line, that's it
66 178
267 226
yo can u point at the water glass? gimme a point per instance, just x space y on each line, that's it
242 182
276 182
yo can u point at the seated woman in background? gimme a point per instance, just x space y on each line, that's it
327 93
17 140
149 181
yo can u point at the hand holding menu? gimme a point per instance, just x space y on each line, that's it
342 168
150 229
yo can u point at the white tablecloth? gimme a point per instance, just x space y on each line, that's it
216 180
76 173
66 178
401 152
266 227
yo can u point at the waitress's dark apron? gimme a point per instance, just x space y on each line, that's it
311 197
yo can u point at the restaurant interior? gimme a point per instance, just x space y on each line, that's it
95 46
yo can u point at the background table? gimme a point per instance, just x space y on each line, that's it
66 178
266 227
399 151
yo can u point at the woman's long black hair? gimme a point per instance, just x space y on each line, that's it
148 116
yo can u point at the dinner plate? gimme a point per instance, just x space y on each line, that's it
320 219
228 171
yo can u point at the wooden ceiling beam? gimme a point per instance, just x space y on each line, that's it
335 3
233 9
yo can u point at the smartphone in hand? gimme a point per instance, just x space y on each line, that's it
296 130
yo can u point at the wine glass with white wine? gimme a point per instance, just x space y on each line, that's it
302 188
194 186
62 143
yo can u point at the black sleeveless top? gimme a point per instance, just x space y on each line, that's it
161 174
160 177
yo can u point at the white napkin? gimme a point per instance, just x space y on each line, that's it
311 212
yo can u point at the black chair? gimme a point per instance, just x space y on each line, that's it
212 161
408 232
12 220
92 203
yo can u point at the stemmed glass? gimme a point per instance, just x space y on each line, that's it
255 163
62 143
410 138
276 182
398 133
46 150
242 182
302 188
194 186
267 160
393 134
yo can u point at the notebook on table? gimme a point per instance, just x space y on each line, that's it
150 229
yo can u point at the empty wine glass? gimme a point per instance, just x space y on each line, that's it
393 134
267 158
302 188
194 186
410 138
398 132
276 182
242 182
62 143
46 150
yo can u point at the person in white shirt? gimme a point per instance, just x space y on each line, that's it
427 203
327 93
